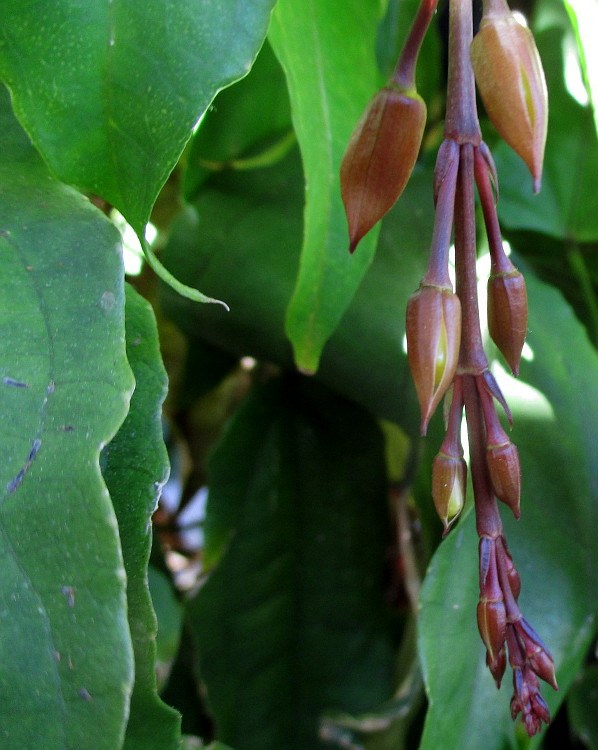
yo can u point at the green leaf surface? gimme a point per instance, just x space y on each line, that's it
584 19
251 222
135 467
582 707
291 621
553 545
566 206
327 50
66 664
243 126
110 91
169 613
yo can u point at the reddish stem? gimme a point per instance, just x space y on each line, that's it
500 262
404 73
472 358
488 522
461 124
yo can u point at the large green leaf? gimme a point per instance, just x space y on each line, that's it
135 467
66 666
291 620
554 545
327 50
110 91
584 18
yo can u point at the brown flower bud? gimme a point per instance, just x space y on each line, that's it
449 481
433 338
505 474
380 157
507 315
497 665
509 75
492 624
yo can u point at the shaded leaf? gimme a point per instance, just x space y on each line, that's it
582 707
243 126
292 621
135 467
251 221
169 613
66 664
110 91
553 545
320 43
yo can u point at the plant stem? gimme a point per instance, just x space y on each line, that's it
488 522
461 124
472 358
404 73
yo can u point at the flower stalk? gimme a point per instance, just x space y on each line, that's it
444 338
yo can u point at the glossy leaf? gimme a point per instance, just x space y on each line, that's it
553 545
320 43
135 466
66 660
169 614
291 620
110 91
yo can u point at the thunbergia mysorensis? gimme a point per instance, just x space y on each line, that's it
444 339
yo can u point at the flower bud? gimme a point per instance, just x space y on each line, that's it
380 157
449 480
507 315
433 339
505 474
492 624
497 665
510 79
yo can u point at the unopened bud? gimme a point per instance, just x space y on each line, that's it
492 624
449 480
507 315
497 665
380 157
505 474
509 75
433 330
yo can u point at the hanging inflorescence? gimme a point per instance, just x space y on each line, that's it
444 339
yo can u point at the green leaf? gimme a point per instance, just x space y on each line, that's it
243 126
291 621
135 467
169 613
251 221
582 707
327 50
110 91
584 17
66 664
566 206
554 546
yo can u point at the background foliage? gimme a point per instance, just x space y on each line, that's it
309 603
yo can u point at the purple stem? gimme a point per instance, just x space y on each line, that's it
404 73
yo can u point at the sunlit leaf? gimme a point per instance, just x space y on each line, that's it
110 91
327 50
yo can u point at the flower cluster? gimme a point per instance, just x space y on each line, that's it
444 339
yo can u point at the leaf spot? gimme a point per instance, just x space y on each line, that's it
69 593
